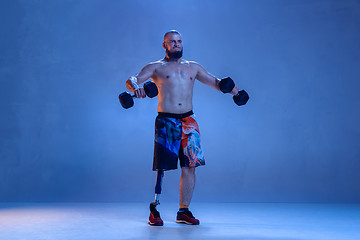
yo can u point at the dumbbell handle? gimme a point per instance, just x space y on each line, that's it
134 96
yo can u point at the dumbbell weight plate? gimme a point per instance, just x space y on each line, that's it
150 89
226 85
126 100
241 98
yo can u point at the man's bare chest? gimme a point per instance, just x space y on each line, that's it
175 72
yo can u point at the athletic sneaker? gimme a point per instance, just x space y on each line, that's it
186 217
154 218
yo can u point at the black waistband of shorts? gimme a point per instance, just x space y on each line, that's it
176 115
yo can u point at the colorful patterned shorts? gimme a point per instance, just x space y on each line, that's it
177 136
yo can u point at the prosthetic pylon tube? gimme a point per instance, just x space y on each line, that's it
159 176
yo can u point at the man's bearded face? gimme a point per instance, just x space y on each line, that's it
173 46
176 54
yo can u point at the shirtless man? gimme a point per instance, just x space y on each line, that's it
177 133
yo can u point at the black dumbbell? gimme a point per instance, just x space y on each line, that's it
127 100
226 85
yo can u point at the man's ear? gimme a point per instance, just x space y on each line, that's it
163 44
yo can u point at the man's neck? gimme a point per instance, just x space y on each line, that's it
168 59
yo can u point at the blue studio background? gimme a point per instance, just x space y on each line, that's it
65 137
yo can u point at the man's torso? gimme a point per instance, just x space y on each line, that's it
175 82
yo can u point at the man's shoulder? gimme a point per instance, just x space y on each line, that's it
161 61
191 63
188 61
153 65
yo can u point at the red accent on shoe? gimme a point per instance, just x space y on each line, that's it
155 221
182 217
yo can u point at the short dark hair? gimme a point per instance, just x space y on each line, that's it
171 31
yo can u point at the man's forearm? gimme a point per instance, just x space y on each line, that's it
217 81
131 84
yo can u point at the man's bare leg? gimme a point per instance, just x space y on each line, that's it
186 189
187 185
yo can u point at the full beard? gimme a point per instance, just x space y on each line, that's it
174 55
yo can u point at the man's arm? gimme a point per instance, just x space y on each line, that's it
208 79
134 81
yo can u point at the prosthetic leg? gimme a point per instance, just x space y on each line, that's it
159 176
154 218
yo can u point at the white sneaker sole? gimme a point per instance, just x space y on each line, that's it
183 221
154 224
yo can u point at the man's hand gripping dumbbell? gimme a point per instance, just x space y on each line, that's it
149 90
227 85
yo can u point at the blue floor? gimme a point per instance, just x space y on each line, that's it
113 221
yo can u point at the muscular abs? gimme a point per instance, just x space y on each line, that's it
175 82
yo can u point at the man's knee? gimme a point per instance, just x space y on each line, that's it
189 171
